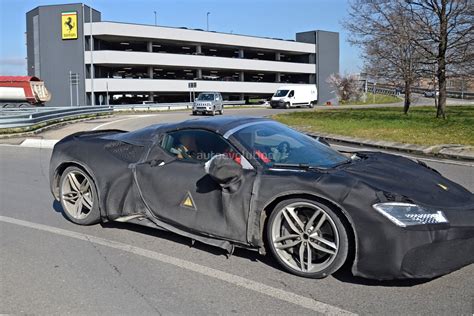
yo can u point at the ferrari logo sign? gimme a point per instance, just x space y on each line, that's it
188 201
69 25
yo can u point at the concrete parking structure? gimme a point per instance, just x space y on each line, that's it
104 62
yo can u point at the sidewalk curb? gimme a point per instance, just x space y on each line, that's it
449 151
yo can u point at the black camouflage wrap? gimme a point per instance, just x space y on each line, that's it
134 176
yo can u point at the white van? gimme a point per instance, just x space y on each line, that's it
295 95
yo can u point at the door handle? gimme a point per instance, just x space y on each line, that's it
156 163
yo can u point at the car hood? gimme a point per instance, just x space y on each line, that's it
411 180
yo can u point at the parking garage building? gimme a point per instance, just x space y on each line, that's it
84 60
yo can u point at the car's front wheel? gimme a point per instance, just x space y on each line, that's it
78 196
307 238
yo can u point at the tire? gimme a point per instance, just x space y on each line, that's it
76 186
287 105
311 105
194 113
221 112
326 239
213 111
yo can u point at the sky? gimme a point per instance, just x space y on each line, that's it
269 18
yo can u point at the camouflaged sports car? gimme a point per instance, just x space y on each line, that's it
254 183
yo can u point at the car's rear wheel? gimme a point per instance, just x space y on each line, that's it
307 238
221 112
78 196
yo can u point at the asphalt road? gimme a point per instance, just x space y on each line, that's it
48 265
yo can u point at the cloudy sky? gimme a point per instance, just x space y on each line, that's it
271 18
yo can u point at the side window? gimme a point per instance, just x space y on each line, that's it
195 145
291 94
218 97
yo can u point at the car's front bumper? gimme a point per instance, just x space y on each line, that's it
276 104
202 110
424 252
438 258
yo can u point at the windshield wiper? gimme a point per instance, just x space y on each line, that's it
291 165
348 161
307 166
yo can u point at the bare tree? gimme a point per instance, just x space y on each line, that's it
347 87
445 35
384 31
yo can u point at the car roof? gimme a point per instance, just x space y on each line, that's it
219 125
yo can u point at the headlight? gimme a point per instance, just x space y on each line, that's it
406 214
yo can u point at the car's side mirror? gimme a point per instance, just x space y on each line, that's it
223 170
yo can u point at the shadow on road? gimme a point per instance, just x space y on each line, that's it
343 275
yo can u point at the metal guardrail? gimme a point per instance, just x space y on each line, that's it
11 118
387 89
25 117
167 106
449 94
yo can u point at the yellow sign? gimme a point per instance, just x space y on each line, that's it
188 201
69 25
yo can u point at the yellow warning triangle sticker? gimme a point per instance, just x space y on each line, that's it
188 201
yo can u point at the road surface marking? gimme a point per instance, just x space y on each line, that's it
117 121
261 288
39 143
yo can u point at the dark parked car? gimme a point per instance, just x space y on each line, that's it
430 93
255 183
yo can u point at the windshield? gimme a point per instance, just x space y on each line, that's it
206 97
276 144
281 93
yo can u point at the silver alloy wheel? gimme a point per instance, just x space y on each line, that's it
305 237
76 193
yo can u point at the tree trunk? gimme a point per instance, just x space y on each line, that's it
441 74
406 105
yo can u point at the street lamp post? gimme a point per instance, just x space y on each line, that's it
207 20
155 17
